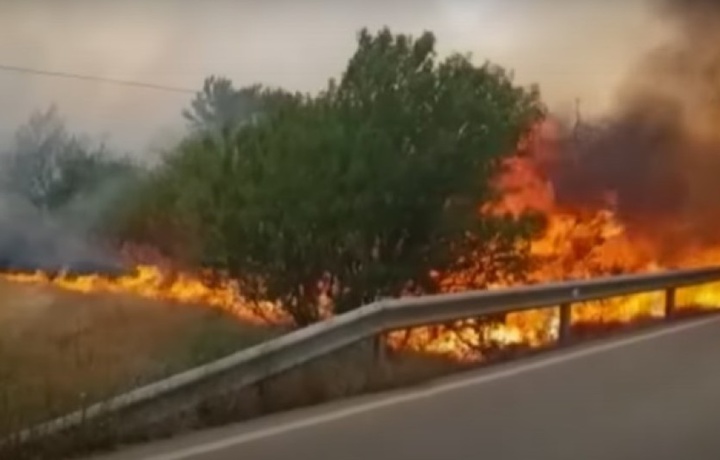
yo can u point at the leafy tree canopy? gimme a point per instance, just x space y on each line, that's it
361 191
220 107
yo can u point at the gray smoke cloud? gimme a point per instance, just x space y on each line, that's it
32 241
570 47
659 151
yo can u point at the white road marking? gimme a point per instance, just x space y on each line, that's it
425 393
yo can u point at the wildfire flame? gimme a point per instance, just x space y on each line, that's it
575 244
152 282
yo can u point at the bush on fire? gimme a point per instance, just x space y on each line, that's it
357 192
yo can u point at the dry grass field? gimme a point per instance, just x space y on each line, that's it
59 350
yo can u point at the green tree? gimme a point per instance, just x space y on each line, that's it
220 107
56 170
175 207
31 167
376 182
364 190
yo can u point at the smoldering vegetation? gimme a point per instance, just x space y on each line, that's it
656 157
30 241
55 190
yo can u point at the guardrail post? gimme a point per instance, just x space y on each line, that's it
263 395
669 302
565 324
379 349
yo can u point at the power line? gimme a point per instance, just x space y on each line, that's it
74 76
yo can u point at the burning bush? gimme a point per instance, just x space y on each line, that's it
354 193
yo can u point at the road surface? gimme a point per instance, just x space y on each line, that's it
654 395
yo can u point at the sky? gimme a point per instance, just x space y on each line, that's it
571 48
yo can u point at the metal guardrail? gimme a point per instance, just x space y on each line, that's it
265 360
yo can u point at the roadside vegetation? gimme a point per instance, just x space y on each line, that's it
60 351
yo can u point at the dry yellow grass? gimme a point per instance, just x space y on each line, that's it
59 350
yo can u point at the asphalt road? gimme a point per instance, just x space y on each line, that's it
654 395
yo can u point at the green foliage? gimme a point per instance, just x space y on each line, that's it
220 108
360 192
172 208
177 207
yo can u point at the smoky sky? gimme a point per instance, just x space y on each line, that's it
572 48
658 151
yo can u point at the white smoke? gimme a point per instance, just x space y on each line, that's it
572 49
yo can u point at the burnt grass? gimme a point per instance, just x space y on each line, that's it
350 372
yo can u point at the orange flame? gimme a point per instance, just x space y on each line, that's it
151 282
574 245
